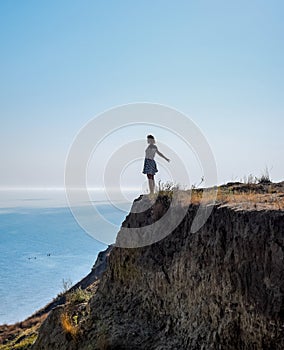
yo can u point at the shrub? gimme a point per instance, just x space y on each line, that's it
265 177
78 296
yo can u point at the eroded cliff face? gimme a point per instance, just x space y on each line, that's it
219 288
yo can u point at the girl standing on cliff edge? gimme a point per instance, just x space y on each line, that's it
150 166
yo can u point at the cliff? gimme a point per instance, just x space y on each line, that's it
221 287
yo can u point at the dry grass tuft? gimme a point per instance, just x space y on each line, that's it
68 325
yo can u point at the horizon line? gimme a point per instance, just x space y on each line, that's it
15 188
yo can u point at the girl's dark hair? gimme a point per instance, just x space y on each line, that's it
150 137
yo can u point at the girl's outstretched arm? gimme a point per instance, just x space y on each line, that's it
161 155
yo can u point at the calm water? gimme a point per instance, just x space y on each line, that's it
40 245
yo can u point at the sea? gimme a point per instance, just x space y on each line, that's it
43 246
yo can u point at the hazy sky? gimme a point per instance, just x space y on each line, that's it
63 62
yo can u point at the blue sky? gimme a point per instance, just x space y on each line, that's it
63 62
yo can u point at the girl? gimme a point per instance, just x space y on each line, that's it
150 167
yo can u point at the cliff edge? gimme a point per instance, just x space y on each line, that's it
221 287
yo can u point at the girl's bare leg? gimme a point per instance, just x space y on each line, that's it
151 185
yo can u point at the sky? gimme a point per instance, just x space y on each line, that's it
64 62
